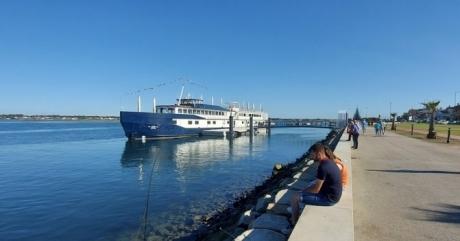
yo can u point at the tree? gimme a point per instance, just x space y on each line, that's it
456 113
431 107
393 117
356 116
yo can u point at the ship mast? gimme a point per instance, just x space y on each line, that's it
180 97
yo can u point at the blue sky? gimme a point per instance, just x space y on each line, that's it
297 58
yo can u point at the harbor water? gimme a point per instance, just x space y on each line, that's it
73 180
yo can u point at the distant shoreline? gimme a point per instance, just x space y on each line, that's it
22 117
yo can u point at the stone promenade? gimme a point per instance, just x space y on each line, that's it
405 189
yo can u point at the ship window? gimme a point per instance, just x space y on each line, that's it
214 122
209 122
190 122
170 110
189 111
196 122
228 122
206 112
194 111
180 111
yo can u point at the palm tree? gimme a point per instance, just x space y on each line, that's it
431 107
393 116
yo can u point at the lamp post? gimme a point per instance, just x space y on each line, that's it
455 97
390 109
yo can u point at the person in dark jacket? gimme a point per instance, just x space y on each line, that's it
355 133
327 188
349 128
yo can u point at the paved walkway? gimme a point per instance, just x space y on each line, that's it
405 189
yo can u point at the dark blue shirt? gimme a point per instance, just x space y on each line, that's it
332 185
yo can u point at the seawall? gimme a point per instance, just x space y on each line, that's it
264 202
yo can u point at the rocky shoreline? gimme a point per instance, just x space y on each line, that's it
266 202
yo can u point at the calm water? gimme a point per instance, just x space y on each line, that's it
83 181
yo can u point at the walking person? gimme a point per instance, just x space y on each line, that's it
355 134
364 123
378 128
383 127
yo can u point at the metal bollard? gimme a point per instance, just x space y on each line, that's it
448 135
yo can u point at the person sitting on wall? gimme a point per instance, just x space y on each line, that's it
340 164
327 189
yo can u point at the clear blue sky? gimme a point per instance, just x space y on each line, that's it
297 58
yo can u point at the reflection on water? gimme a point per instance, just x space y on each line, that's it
209 173
85 182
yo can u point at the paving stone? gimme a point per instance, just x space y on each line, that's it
260 235
280 209
305 176
270 221
262 203
246 218
286 181
284 196
298 185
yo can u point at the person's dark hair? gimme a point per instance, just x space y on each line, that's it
329 153
318 147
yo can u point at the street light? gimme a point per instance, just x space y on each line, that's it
455 96
390 109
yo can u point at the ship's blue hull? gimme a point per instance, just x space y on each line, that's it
155 125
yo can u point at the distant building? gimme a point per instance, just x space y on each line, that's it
422 115
342 118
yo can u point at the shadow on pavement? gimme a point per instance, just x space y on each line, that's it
413 171
445 213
